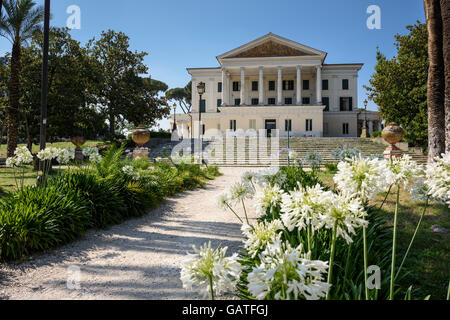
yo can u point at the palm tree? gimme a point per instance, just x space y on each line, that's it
21 19
436 82
445 11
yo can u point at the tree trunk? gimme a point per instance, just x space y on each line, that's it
12 112
112 124
436 83
445 12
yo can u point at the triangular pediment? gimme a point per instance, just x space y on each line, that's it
271 48
272 45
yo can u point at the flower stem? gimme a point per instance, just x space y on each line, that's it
394 243
413 238
333 251
234 212
387 195
448 291
365 262
245 211
211 288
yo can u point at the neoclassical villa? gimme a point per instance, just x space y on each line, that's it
275 83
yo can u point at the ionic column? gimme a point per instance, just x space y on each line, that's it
280 86
299 85
224 88
243 86
319 85
261 86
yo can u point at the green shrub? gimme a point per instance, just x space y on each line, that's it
331 167
376 134
37 219
295 175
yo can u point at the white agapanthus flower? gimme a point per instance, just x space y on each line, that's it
208 265
304 207
65 155
133 174
362 177
260 235
313 159
287 273
346 214
438 179
95 158
268 197
11 162
241 191
271 175
23 156
402 171
48 154
87 152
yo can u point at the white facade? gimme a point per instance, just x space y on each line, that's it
271 80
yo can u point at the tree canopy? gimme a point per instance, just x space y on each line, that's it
399 85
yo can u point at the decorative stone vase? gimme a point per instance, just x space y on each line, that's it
392 134
78 141
141 136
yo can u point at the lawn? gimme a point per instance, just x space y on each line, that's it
429 260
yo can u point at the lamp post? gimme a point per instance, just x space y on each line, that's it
44 82
1 6
201 91
174 118
364 131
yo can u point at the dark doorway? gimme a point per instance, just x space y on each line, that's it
270 126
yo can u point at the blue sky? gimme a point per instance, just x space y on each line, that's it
181 34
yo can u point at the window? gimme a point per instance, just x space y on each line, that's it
219 87
306 100
309 125
345 84
346 104
236 86
255 101
326 103
252 124
271 101
203 129
324 84
233 125
288 125
237 102
288 101
345 128
219 102
203 106
271 85
288 85
254 85
305 84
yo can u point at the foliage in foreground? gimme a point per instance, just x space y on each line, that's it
108 191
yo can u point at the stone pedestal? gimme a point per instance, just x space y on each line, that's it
79 157
140 153
392 152
364 133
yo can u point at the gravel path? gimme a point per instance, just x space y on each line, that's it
139 259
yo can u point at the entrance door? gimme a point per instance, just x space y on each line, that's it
270 125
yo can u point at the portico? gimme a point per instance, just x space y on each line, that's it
281 81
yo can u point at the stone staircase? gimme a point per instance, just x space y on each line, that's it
254 154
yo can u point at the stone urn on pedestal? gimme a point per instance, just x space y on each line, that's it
78 142
392 134
140 136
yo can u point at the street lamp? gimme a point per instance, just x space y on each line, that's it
1 6
44 83
174 118
364 131
201 91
